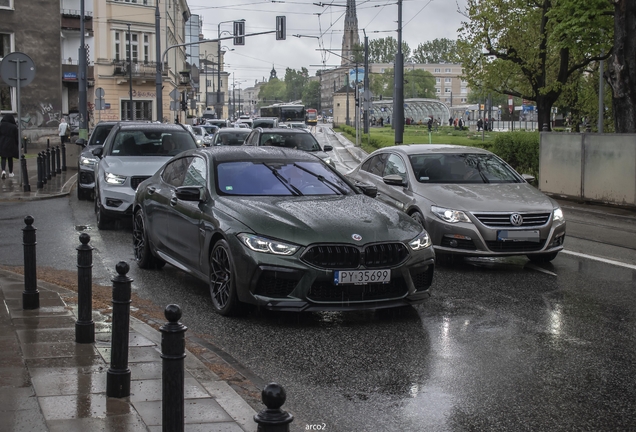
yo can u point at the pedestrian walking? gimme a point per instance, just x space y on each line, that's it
63 130
9 144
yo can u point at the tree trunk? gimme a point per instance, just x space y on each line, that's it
622 67
544 108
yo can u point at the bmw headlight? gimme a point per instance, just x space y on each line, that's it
114 178
265 245
421 241
88 161
449 215
557 215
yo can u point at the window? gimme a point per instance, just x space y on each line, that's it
447 70
448 80
117 46
146 49
142 110
463 100
135 47
375 165
437 70
196 174
395 165
437 91
6 4
447 90
464 90
6 92
438 80
175 172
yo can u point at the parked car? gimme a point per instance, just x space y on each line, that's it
275 228
470 201
290 138
230 136
87 160
132 153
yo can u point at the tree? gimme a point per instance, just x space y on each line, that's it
622 67
311 95
417 84
384 50
295 82
533 49
271 92
436 51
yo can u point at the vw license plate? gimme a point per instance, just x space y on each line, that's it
361 277
526 235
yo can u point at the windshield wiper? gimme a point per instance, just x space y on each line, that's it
334 187
481 174
290 187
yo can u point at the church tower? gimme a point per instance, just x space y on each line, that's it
272 73
350 38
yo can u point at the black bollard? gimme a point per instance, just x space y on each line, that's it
24 144
30 295
58 163
172 375
26 187
273 419
47 164
118 375
84 326
63 157
40 184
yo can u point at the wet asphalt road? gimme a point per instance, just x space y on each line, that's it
500 345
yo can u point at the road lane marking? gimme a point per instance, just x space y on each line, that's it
603 260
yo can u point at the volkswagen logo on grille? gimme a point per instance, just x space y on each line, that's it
356 237
516 219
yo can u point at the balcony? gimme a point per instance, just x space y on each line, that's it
139 69
71 20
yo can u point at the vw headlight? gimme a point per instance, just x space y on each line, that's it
449 215
88 161
114 178
421 241
557 215
265 245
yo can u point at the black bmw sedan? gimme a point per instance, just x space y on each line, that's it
279 228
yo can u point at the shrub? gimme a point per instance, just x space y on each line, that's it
520 150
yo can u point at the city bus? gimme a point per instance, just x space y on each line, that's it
284 112
311 117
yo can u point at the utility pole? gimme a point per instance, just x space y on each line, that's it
158 77
367 91
130 103
83 71
398 101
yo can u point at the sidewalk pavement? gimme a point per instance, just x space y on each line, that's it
50 383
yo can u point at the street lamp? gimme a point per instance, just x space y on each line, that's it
217 63
218 89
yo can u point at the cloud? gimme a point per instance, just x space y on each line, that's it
320 27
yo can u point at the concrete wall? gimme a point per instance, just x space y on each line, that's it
590 167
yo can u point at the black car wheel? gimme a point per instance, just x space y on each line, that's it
143 255
542 258
103 221
83 194
223 280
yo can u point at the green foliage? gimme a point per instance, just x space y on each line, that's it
383 50
295 81
311 94
417 83
436 51
273 90
520 150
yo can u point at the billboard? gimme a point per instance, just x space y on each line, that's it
352 76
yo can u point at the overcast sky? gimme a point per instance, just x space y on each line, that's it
423 21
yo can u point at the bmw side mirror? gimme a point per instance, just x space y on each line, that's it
81 142
394 180
189 193
368 189
99 151
327 148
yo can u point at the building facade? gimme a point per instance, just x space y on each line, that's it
41 100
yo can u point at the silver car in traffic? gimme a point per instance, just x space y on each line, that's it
470 201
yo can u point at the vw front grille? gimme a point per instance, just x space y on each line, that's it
502 220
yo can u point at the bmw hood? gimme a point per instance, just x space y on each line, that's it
133 165
487 197
307 220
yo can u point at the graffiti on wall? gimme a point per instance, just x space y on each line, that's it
43 114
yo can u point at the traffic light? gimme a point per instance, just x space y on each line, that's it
184 105
239 32
281 31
